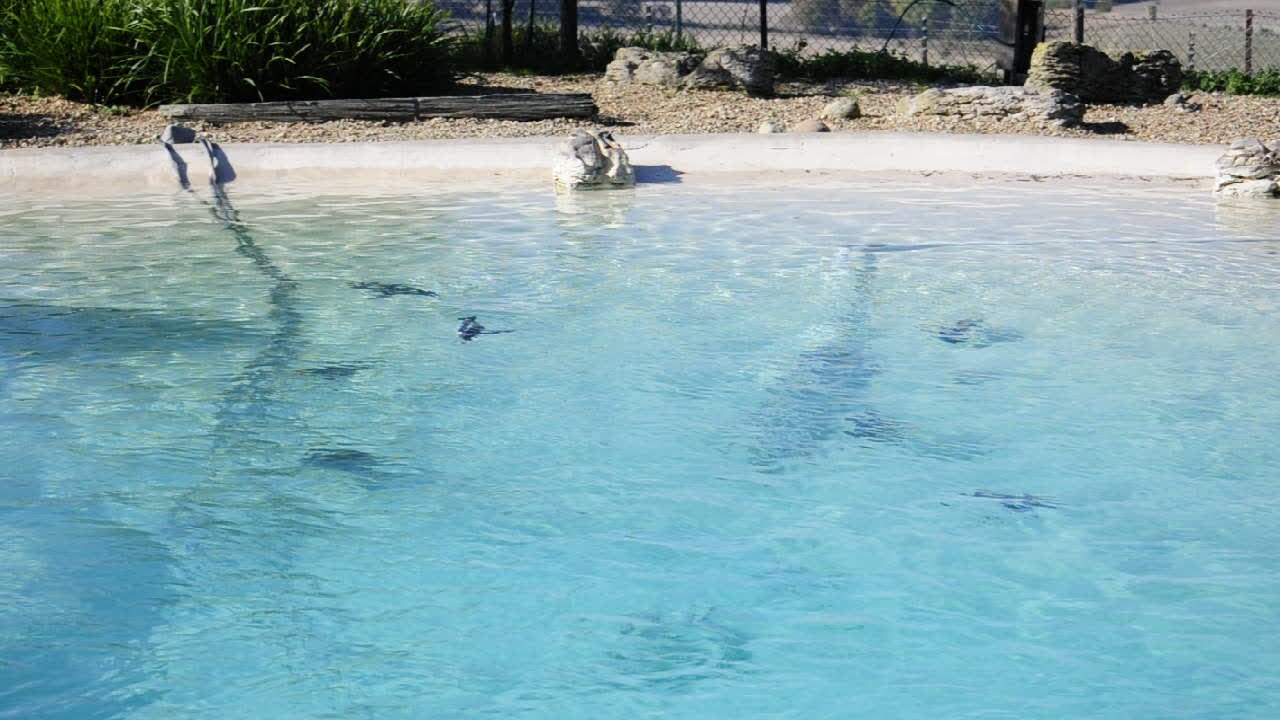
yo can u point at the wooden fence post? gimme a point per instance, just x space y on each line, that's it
569 32
764 24
508 32
1021 24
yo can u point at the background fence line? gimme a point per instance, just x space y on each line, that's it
938 32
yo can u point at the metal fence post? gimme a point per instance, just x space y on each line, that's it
1191 50
1248 42
1078 34
679 18
924 40
764 24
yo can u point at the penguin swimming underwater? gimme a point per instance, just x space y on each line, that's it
390 289
470 328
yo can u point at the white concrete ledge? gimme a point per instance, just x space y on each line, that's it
133 168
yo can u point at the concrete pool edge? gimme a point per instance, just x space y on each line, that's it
664 158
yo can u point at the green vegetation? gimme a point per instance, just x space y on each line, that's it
76 48
144 52
141 52
1234 82
539 51
598 49
862 64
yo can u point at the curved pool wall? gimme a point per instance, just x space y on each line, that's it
105 170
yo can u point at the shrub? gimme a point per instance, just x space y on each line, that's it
80 49
241 50
862 64
598 49
540 52
146 51
1234 82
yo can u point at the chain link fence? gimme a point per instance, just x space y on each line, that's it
1218 40
938 32
935 32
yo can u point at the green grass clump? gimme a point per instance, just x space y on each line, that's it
1233 82
80 49
141 52
862 64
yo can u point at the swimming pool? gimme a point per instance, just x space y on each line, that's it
893 450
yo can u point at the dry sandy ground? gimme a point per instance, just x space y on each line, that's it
1191 7
642 110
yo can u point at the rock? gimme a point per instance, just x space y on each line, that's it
650 67
1182 103
809 126
177 135
768 128
1156 74
592 160
1095 77
845 108
1249 169
985 102
745 67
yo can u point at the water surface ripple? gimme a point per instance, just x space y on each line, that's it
902 450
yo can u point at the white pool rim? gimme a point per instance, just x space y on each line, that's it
658 158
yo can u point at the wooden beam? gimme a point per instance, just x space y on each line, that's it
514 106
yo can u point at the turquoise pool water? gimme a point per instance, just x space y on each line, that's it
910 450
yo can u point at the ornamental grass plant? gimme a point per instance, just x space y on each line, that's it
144 52
80 49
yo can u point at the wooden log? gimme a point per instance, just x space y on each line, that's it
393 109
515 106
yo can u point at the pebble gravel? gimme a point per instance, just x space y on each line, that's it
645 110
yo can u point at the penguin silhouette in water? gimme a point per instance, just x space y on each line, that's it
389 289
470 328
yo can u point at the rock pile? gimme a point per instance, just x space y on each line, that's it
650 67
1249 169
986 103
1095 77
592 160
745 67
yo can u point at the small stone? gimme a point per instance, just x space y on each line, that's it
768 128
811 125
845 108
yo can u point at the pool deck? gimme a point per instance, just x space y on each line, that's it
667 158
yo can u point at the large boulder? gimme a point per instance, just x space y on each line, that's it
997 103
1095 77
650 67
591 160
745 67
1249 169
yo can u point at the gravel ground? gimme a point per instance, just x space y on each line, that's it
643 110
